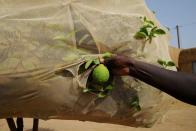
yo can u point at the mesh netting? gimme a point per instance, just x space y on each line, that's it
44 42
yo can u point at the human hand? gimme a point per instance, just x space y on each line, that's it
120 65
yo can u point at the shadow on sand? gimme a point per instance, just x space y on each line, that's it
42 129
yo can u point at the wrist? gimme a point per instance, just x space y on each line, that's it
132 68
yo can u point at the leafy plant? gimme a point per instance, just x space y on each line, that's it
148 31
92 61
165 64
134 103
100 89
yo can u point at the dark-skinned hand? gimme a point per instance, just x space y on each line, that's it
119 65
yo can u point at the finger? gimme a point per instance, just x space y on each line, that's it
121 71
110 60
116 60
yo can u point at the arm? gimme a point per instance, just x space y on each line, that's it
177 84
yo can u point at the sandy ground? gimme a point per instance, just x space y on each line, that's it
180 117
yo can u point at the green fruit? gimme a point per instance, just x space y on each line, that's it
101 74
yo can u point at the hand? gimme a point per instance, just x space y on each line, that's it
119 65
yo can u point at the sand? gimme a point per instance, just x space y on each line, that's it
180 117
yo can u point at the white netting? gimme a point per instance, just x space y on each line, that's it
36 36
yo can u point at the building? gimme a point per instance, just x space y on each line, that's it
185 59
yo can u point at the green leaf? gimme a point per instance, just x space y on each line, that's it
150 22
107 55
101 95
134 103
109 87
153 35
154 28
146 26
159 32
140 35
144 30
85 90
134 100
88 63
138 108
148 31
161 62
96 61
141 18
97 87
145 19
170 63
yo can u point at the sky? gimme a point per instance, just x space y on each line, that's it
177 12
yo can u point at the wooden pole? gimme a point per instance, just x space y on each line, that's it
178 36
35 124
19 123
11 124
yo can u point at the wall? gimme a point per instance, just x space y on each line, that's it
186 58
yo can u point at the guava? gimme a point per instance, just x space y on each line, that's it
101 74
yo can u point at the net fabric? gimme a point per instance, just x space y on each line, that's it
43 43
